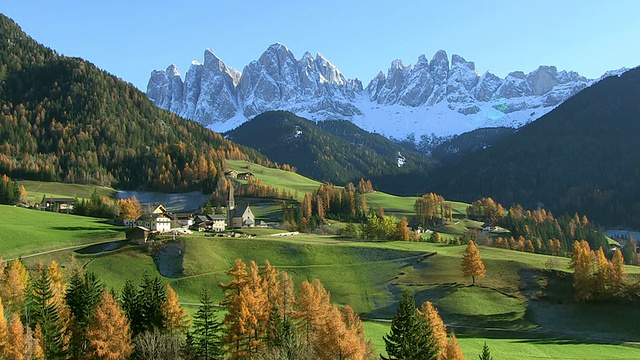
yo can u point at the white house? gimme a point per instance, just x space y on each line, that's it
218 223
158 219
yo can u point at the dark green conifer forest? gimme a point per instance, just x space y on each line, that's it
63 119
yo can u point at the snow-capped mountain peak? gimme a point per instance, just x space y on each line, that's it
439 96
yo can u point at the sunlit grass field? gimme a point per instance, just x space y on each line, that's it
26 231
368 275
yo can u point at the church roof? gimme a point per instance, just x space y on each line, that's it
240 210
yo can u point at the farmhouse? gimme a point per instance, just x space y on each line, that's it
245 176
218 223
231 174
183 220
156 219
58 204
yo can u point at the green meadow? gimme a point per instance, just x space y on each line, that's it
523 308
26 231
37 189
275 177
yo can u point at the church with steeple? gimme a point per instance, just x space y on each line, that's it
238 217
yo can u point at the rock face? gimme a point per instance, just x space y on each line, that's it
212 93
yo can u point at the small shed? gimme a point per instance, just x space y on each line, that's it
138 235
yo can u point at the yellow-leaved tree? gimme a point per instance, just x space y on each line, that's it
472 264
3 329
430 314
129 209
175 319
618 273
582 270
108 333
453 348
14 286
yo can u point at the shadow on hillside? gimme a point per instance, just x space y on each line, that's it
85 228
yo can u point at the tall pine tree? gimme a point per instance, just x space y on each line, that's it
45 314
206 335
410 337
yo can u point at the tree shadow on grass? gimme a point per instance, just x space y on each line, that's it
84 228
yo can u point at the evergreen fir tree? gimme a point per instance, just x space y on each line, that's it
149 300
410 338
82 296
206 330
129 305
486 354
45 314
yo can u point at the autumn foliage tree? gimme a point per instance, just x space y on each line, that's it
264 318
472 264
174 319
109 333
14 286
432 208
454 352
594 276
3 329
430 315
129 209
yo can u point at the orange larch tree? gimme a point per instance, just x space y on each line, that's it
472 264
618 273
14 286
15 348
175 319
453 348
235 302
334 340
3 329
109 333
257 304
582 270
312 305
439 330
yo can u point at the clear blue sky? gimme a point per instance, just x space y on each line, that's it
131 38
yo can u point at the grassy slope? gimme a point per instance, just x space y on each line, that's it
275 177
37 189
393 205
369 276
26 231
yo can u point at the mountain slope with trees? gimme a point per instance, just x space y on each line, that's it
581 157
63 119
333 151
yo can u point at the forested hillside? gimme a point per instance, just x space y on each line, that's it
581 157
63 119
333 151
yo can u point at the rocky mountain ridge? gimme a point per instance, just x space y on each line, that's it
434 96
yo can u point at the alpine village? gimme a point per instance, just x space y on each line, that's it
130 232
